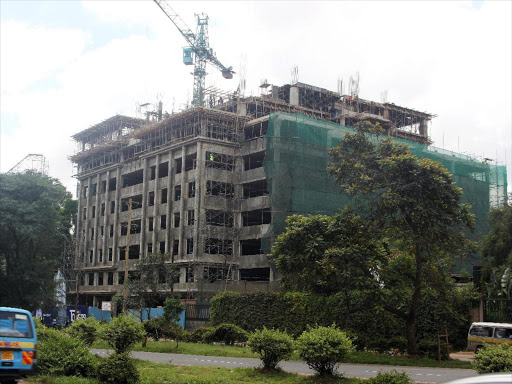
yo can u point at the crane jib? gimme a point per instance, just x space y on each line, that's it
198 53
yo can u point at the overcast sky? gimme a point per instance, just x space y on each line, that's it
67 65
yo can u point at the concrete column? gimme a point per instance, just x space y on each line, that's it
115 243
424 128
144 208
237 211
294 95
96 219
106 229
243 109
78 224
157 204
182 248
170 184
88 214
200 190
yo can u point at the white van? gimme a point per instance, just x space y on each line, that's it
489 333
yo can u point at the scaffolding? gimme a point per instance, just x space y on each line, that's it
297 155
32 163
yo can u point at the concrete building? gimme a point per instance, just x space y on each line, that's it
204 188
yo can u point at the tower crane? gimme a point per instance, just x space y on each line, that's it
198 51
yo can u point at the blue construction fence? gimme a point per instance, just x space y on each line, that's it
62 317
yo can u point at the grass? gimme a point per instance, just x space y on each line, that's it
239 351
360 357
158 373
185 348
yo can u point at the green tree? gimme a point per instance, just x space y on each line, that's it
173 308
32 231
497 252
416 205
329 254
150 283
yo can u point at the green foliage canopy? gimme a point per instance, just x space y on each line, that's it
173 308
416 206
497 252
493 358
328 254
35 219
323 347
61 355
122 333
272 346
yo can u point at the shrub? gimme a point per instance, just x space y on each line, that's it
393 377
429 348
196 336
59 355
493 358
225 333
399 343
118 369
323 347
122 333
272 346
161 328
85 330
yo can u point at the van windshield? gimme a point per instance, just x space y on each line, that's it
14 324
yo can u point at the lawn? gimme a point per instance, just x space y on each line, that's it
155 373
189 349
240 351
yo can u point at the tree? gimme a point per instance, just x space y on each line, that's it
416 205
497 252
328 254
32 231
173 308
151 282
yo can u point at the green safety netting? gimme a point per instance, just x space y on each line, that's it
297 155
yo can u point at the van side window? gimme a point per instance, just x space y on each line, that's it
503 333
480 331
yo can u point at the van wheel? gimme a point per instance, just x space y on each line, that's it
478 348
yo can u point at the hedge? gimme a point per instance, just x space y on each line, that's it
292 312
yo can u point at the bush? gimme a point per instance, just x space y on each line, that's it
118 369
399 343
196 336
429 348
85 330
225 333
323 347
122 333
272 346
393 377
61 355
493 358
162 328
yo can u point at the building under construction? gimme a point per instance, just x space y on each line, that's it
212 186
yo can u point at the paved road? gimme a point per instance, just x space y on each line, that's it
425 375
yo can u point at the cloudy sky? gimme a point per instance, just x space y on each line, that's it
67 65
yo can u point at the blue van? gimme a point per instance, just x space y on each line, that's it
18 344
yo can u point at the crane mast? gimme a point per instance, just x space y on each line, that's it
198 52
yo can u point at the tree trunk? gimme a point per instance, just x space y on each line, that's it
410 329
410 323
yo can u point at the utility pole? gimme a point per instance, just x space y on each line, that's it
127 255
